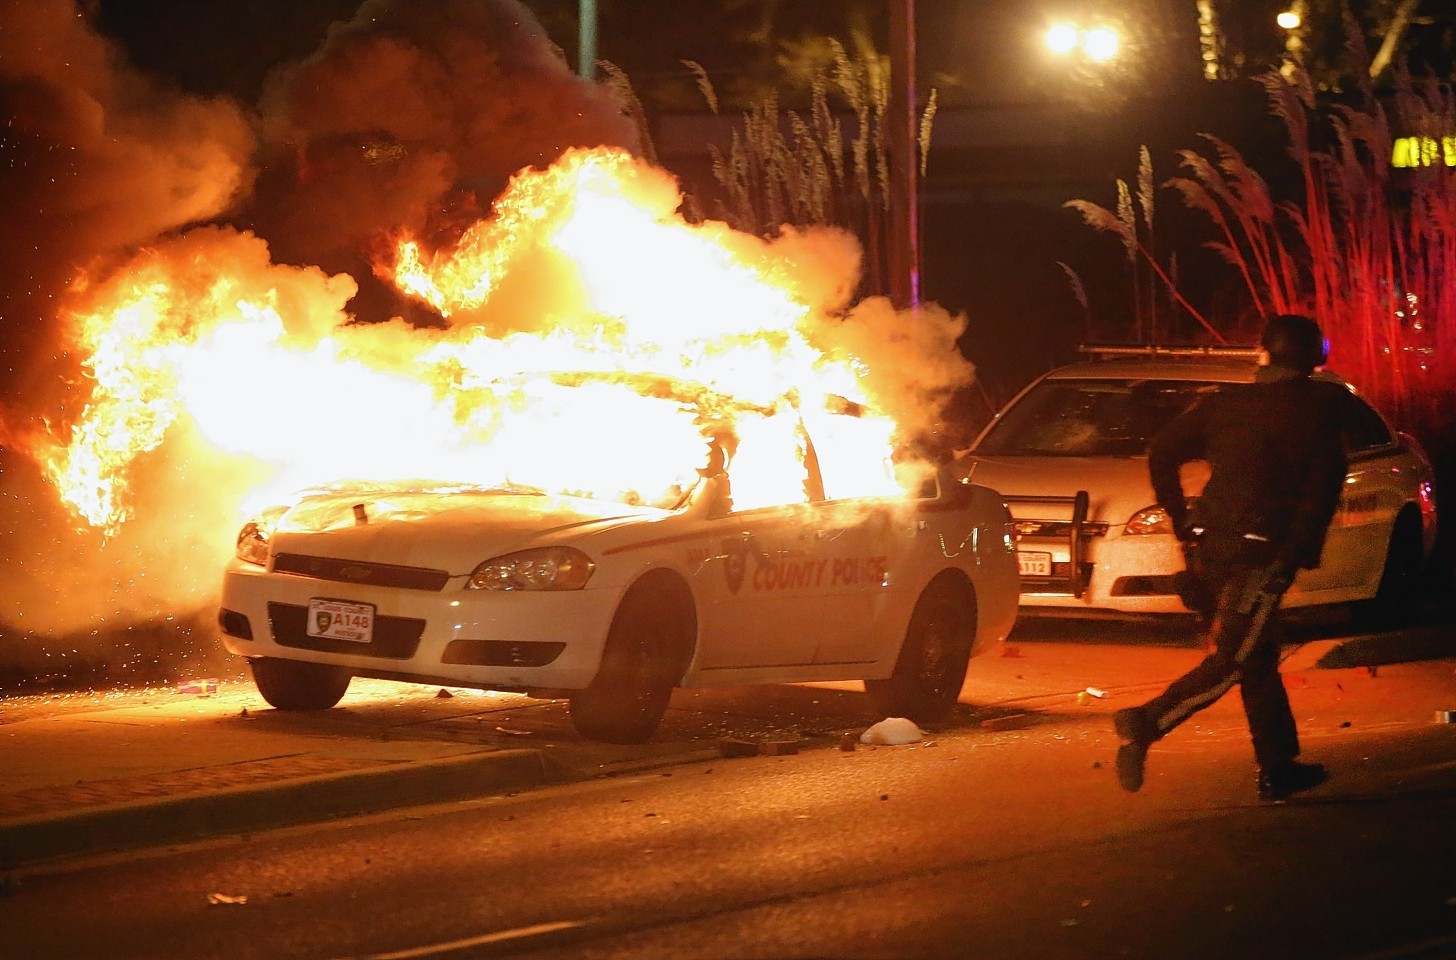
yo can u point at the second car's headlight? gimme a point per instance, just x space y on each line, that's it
546 568
1152 519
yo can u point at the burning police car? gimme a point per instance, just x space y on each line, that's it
614 604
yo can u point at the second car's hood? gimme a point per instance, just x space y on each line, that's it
1117 487
439 527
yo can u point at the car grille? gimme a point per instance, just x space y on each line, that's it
502 653
1056 528
394 637
1155 585
359 571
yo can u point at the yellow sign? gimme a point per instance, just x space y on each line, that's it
1423 152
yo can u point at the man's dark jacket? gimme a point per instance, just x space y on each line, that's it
1278 464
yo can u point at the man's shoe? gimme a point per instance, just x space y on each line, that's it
1285 780
1130 757
1132 726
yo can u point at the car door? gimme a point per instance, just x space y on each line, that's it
755 583
864 548
756 576
1355 545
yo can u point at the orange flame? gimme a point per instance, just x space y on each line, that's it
597 338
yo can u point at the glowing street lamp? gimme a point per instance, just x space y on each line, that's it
1099 44
1062 38
1289 19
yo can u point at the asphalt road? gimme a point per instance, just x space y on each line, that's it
981 841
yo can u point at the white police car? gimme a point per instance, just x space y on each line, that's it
1069 454
612 605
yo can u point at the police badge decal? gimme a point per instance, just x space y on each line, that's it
735 563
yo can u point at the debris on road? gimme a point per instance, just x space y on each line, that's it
226 899
893 731
1013 722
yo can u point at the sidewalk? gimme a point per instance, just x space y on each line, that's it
176 765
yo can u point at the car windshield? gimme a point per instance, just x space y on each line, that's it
1089 418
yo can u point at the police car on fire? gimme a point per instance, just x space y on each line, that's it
612 605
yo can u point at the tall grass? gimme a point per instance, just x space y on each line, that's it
1368 250
828 164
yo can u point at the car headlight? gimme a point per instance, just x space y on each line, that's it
254 540
546 568
1152 519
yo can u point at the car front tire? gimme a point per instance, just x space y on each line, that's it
628 697
298 685
931 668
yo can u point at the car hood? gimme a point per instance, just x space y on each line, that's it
451 528
1117 487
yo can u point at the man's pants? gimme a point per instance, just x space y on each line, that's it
1246 652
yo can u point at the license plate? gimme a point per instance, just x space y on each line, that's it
340 620
1034 564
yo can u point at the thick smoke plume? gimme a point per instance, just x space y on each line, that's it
410 117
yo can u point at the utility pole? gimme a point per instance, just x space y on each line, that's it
903 118
587 40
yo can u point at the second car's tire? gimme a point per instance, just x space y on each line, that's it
1397 600
931 668
626 700
298 685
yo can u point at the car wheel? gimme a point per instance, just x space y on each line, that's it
931 668
1397 598
297 685
627 698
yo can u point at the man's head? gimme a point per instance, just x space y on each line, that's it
1295 342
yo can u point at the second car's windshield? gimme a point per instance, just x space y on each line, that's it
1089 418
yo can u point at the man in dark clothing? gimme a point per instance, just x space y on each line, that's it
1277 464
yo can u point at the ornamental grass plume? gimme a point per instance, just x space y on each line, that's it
1367 249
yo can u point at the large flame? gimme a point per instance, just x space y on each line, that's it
597 339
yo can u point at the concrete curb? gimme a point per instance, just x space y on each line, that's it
181 819
397 781
1424 642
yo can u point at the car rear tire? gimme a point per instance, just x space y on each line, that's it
298 685
1397 600
628 697
932 665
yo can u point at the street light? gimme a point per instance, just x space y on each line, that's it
1098 44
1063 38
